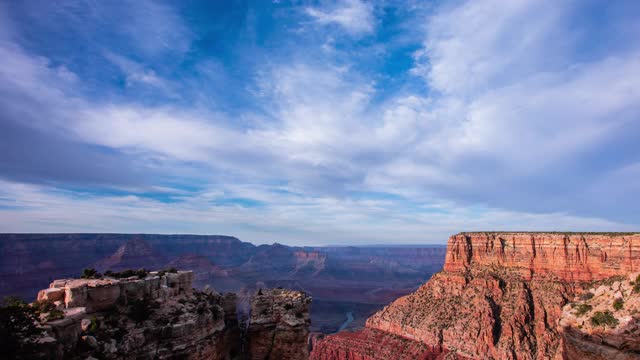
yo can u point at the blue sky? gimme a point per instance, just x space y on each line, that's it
338 122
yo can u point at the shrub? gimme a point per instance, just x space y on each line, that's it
141 273
604 319
618 304
586 296
18 332
582 309
54 314
288 306
93 327
90 273
41 307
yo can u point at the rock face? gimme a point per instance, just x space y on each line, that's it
160 316
568 257
604 322
371 344
499 296
279 325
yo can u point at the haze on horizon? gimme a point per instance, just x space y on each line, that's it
331 122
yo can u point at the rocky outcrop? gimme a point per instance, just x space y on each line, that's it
279 325
158 316
604 322
500 295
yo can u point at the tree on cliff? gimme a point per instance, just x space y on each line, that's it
18 332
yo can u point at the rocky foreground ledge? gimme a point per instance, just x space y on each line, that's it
503 296
603 323
158 315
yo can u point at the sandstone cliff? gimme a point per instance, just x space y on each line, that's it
279 325
499 296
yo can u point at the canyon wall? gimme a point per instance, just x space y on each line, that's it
499 296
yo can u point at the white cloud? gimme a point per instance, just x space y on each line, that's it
355 16
287 217
136 73
504 125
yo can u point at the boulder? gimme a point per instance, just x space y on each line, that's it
51 294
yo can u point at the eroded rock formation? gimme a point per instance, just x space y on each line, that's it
499 296
279 325
156 317
159 316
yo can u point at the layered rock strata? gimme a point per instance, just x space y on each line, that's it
500 295
279 325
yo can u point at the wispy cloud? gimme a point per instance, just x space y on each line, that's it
288 217
354 16
514 126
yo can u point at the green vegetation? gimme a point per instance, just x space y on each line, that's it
93 327
140 273
90 273
586 296
618 304
54 314
582 309
604 319
170 270
18 332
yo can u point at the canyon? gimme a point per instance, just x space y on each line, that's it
341 279
499 295
505 296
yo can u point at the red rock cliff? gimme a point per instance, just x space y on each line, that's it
499 296
570 257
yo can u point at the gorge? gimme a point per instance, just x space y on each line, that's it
501 296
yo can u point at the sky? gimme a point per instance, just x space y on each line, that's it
311 123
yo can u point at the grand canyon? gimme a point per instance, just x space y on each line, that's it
498 296
320 180
348 284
